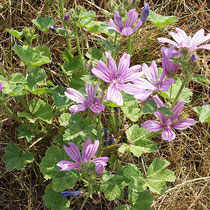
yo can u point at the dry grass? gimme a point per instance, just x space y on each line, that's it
188 154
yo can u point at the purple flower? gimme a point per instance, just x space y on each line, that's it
88 151
70 193
127 28
182 40
1 86
91 101
117 78
193 58
167 124
145 13
168 65
143 88
67 16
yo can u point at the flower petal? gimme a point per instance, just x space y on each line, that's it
74 95
100 169
177 110
197 38
73 152
123 65
118 20
206 46
101 160
144 84
139 24
152 125
183 124
166 84
112 64
102 72
113 26
151 72
143 94
90 151
114 95
67 165
165 40
127 31
168 135
132 16
86 144
90 90
97 107
77 108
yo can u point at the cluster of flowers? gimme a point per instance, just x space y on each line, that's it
140 84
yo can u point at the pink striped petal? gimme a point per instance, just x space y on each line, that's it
90 90
123 65
158 101
132 16
67 165
73 152
127 31
86 144
139 24
168 135
177 110
74 95
151 72
112 65
207 47
100 169
152 125
166 84
143 94
77 108
113 26
144 84
90 151
183 124
118 20
197 38
114 95
101 160
165 40
182 35
97 107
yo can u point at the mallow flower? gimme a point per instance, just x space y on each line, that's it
168 66
184 41
117 77
143 88
88 151
91 101
168 124
127 28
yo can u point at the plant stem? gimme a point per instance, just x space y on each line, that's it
78 46
154 134
180 91
82 42
84 202
90 190
115 38
129 44
113 122
11 113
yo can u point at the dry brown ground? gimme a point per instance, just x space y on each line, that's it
188 154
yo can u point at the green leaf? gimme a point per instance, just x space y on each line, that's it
161 21
132 172
113 186
65 119
54 200
185 95
36 77
44 23
31 56
165 111
14 159
48 164
149 107
157 175
86 17
14 33
41 110
24 132
123 207
108 45
80 129
89 79
200 79
134 133
94 54
17 78
203 112
72 65
61 101
143 200
64 179
1 6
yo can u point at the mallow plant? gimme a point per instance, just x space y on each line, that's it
102 109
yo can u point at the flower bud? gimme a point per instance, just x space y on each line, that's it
193 58
145 13
67 16
70 193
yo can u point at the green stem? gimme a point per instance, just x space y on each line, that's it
90 190
129 44
133 41
11 113
84 202
22 100
180 91
113 121
154 134
78 46
82 42
115 38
